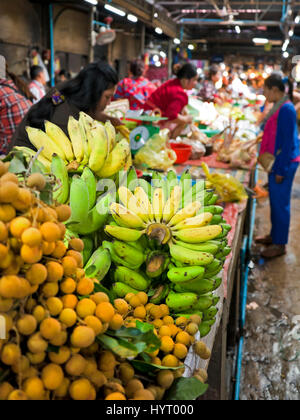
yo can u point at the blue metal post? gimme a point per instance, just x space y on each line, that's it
52 61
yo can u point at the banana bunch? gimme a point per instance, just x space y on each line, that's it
89 143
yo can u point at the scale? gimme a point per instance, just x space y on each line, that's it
145 130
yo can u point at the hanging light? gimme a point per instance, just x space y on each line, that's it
114 10
93 2
237 29
285 54
159 31
177 41
261 41
191 47
285 44
297 19
132 18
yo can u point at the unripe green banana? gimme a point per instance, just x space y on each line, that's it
179 275
122 289
88 248
79 203
212 200
131 278
216 219
204 302
124 234
129 254
210 313
213 209
204 328
212 247
180 302
198 235
160 294
226 229
190 257
188 316
98 265
91 183
223 253
59 170
157 262
199 286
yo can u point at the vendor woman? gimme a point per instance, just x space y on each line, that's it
281 140
90 91
171 99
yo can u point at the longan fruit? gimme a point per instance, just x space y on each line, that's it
7 213
192 328
195 319
63 229
156 361
31 255
24 200
63 212
202 350
135 301
143 394
36 358
80 389
17 395
18 225
36 343
115 396
68 317
99 297
116 322
76 244
140 312
52 376
54 305
182 321
69 265
202 373
9 177
48 247
143 297
37 181
50 231
126 372
6 304
5 388
107 361
155 312
59 250
82 337
36 274
3 232
165 379
3 168
98 378
94 323
3 251
167 344
60 339
69 301
165 310
85 286
183 338
31 237
61 357
76 365
168 320
49 289
85 307
80 273
39 313
27 324
90 367
68 285
30 304
77 256
165 331
9 192
49 327
158 323
180 351
63 390
105 311
129 296
55 271
11 354
121 306
170 361
132 387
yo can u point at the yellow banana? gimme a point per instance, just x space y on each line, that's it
76 138
128 163
88 123
85 140
198 235
158 203
127 217
124 131
172 205
60 139
124 234
130 201
99 147
185 213
40 139
143 200
111 134
201 220
116 160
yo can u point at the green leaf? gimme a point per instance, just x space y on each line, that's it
186 389
17 166
146 367
120 347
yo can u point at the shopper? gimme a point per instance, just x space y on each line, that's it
136 88
208 91
38 83
90 91
170 99
14 104
280 140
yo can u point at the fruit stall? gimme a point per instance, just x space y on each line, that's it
111 287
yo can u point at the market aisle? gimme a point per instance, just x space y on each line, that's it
272 341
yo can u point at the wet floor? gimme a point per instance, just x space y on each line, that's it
271 362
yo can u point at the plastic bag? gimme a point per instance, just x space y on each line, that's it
156 154
228 188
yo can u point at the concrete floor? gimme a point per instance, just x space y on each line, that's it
271 364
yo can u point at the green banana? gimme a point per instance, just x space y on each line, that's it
114 257
159 182
213 209
186 185
157 263
123 233
172 180
181 302
160 294
199 286
129 254
215 265
187 316
91 183
132 179
210 313
205 327
59 170
122 289
196 193
98 265
212 247
79 202
131 278
226 229
88 248
190 257
203 303
223 253
217 219
181 275
212 201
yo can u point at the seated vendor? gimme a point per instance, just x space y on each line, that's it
208 91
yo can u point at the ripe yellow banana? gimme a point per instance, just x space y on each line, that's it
201 220
198 235
99 147
40 139
185 213
116 160
124 234
76 138
127 217
130 201
158 203
172 205
85 140
60 139
88 123
111 134
143 200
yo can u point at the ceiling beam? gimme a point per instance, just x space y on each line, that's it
220 22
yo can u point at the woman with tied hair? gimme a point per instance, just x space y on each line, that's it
90 91
281 140
136 88
208 91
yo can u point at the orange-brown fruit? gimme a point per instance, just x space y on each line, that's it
31 255
49 328
94 323
80 390
63 229
99 297
11 354
59 250
68 285
3 168
7 261
49 289
5 388
105 311
48 247
85 307
17 395
3 232
69 301
36 274
37 344
18 225
50 231
76 365
68 317
52 376
3 251
9 176
7 212
9 192
85 286
23 201
63 212
77 256
37 181
69 265
14 287
76 244
82 337
133 386
55 271
27 324
31 237
54 305
116 322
